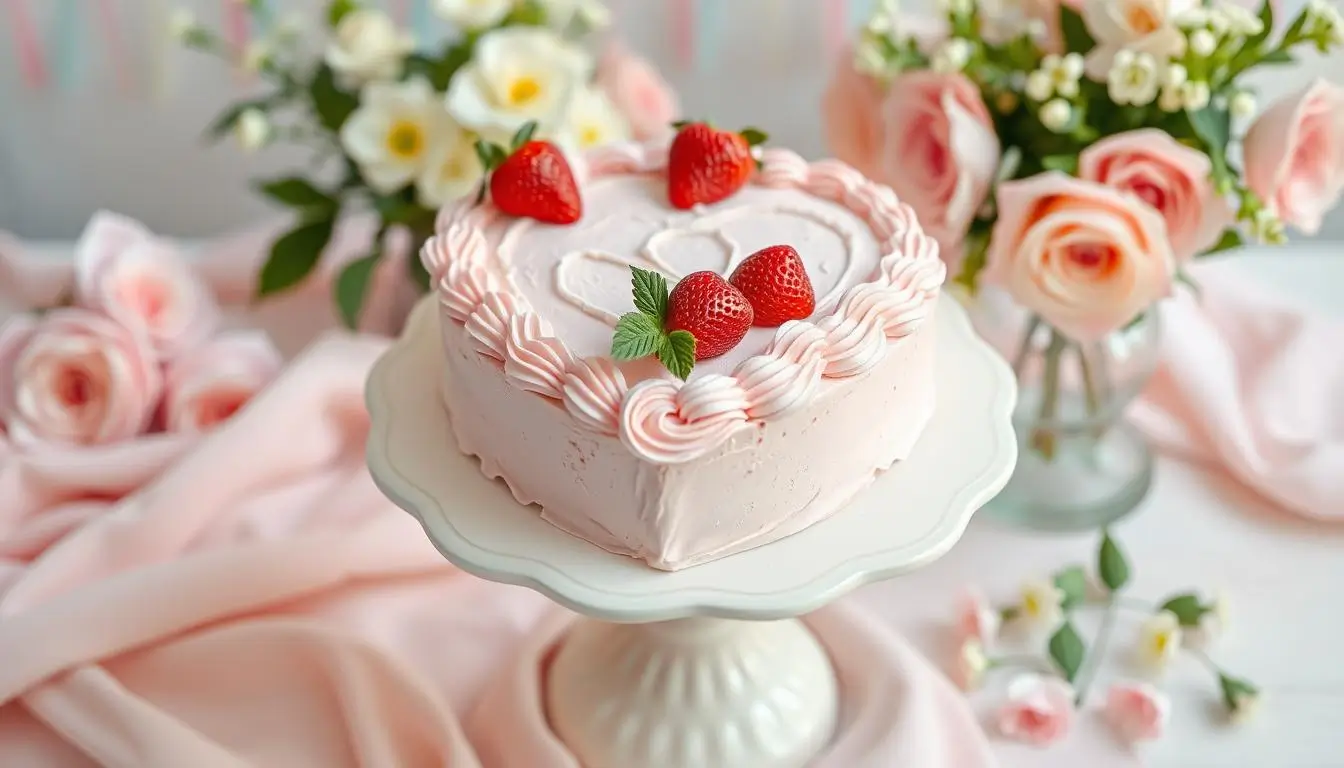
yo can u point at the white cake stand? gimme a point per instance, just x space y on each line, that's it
708 666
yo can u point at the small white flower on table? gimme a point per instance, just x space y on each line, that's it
518 75
1042 603
394 132
452 170
1159 640
366 46
473 14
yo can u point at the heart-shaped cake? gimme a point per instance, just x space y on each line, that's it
755 444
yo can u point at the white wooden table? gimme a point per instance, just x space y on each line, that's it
1283 576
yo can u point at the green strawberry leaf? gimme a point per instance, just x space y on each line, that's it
490 155
651 293
524 134
1111 563
637 336
754 136
679 124
678 354
1067 650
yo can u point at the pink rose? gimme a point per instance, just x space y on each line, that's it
124 272
211 383
1039 710
638 91
1085 257
75 377
1295 155
1167 175
977 618
851 116
940 151
1138 711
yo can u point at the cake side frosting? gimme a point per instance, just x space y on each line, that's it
669 422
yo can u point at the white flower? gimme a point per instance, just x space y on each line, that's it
517 75
252 129
473 14
1039 86
1325 20
590 13
971 664
1240 20
952 56
1172 99
1193 18
1159 640
956 7
1065 72
394 132
593 121
1244 707
1042 603
181 24
1220 23
1203 43
1133 78
1175 76
1195 95
1243 104
1268 228
868 57
1057 115
366 46
452 171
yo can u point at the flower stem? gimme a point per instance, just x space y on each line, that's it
1044 437
1093 662
1024 348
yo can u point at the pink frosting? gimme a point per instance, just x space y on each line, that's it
666 422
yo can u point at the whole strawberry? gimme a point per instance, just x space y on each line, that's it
775 281
706 165
712 310
702 317
532 179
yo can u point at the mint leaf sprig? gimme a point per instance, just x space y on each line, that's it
640 334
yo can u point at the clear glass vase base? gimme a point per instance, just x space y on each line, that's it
1086 484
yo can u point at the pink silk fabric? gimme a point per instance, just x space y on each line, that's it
250 598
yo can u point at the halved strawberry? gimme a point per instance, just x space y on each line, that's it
714 312
706 165
532 180
775 281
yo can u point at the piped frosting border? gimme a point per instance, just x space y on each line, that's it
665 421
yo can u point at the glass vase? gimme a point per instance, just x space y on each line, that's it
1080 464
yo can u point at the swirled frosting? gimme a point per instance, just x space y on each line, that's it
542 299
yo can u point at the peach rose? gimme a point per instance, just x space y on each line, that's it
851 116
140 281
74 377
940 152
1137 711
638 91
1143 26
211 383
1295 155
1167 175
1039 710
1085 257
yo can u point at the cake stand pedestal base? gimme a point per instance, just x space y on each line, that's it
692 693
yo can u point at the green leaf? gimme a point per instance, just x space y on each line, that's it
1112 566
677 354
1235 690
1277 57
754 136
1067 649
679 124
637 335
352 285
418 274
1213 127
1077 37
526 14
296 192
524 134
339 9
293 256
490 155
1231 240
650 289
332 104
1187 608
226 119
1062 163
1072 581
397 209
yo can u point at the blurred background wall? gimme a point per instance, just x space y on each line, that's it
119 122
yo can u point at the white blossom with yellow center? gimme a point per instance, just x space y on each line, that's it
593 121
452 172
1042 603
366 46
394 132
473 14
517 75
1159 640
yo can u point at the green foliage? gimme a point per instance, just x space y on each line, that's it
293 256
1068 650
339 9
1112 567
352 285
332 105
299 193
640 334
1072 582
637 336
